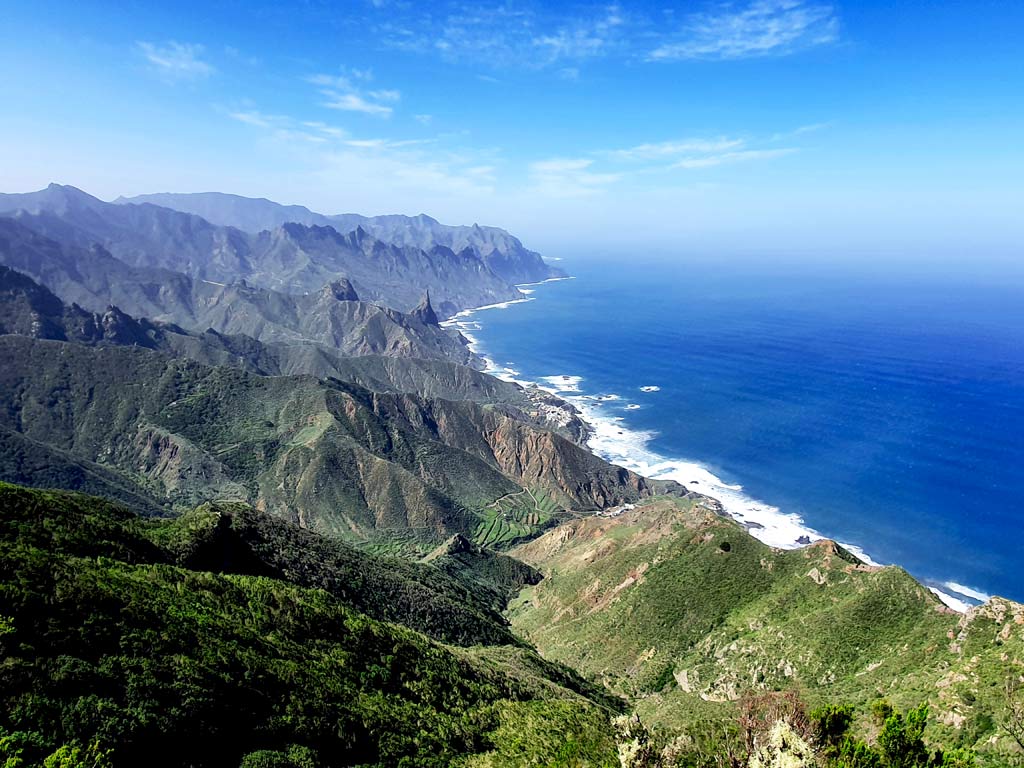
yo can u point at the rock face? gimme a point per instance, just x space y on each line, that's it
424 312
501 252
292 258
341 290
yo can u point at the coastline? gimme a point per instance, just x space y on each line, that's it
613 440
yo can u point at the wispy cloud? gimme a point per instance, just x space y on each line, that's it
423 165
351 102
507 35
175 61
697 153
668 149
761 28
285 129
568 177
346 92
723 158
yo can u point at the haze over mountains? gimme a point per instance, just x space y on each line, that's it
290 257
500 251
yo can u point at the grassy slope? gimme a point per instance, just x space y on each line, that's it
105 642
683 610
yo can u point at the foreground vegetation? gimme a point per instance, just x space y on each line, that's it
228 638
114 655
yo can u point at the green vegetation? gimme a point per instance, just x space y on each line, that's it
682 611
114 655
515 517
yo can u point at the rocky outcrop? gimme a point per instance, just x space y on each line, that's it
341 290
424 312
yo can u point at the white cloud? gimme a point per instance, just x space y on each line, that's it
423 119
763 27
175 61
325 129
581 38
385 95
507 35
342 93
253 117
351 102
284 129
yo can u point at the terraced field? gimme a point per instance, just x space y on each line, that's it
515 517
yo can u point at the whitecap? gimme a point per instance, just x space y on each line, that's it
650 388
960 589
960 606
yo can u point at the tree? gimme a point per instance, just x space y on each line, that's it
831 724
783 747
901 739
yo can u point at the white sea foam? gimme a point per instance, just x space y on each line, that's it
561 385
549 280
977 594
632 407
958 605
613 441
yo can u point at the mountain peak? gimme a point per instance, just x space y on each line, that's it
341 290
424 312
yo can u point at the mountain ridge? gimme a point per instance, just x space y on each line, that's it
501 251
292 257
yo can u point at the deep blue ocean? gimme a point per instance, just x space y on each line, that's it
885 409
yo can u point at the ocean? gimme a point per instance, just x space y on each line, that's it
883 409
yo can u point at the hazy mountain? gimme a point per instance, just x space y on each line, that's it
500 251
292 258
94 279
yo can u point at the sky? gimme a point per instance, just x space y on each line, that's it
863 129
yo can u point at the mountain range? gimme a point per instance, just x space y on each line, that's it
292 257
327 453
501 252
259 508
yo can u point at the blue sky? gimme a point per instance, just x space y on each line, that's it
798 126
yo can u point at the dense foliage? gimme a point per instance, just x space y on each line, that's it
114 656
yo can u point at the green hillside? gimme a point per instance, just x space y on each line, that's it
683 611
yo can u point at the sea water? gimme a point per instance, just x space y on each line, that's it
885 411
